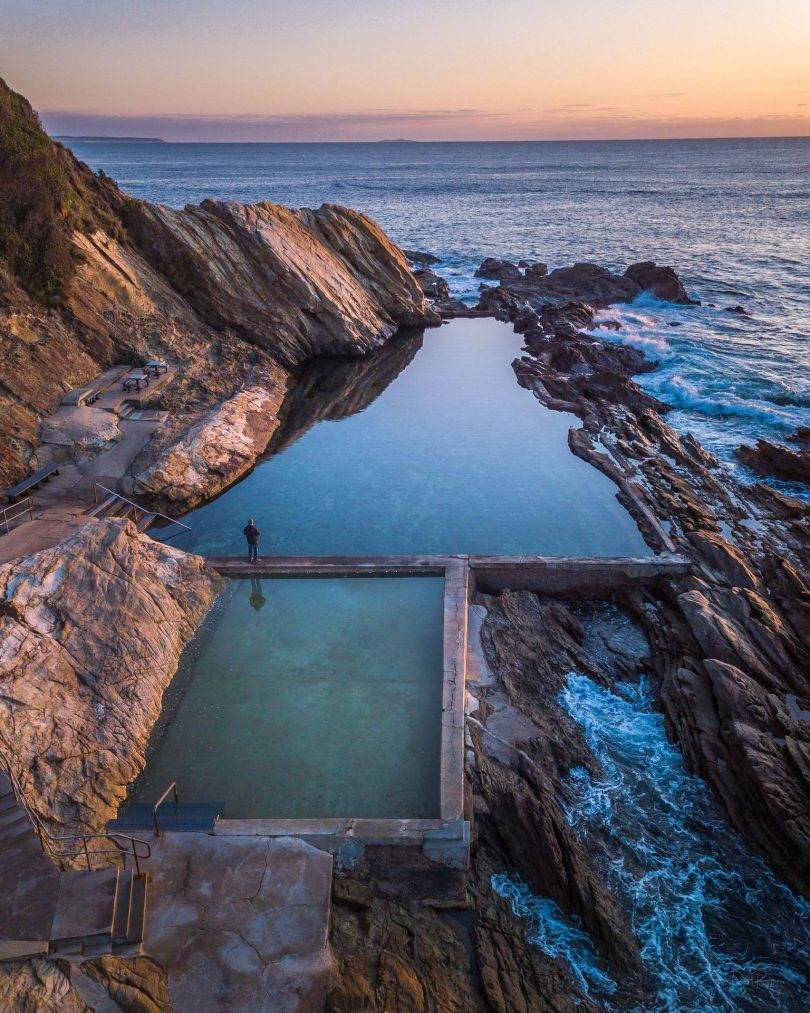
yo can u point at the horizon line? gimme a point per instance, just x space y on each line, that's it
122 139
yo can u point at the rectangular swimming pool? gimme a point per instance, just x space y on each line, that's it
308 698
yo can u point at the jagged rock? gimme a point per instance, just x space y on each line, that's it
661 281
137 985
418 257
496 269
740 310
433 286
768 458
535 271
91 631
582 283
217 450
38 986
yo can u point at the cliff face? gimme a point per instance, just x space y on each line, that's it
298 283
90 277
91 631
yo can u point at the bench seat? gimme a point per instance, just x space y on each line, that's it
40 476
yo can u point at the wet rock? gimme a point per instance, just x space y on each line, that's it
496 269
768 458
418 257
740 310
433 286
662 282
582 283
91 631
535 271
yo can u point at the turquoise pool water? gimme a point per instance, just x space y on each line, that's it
429 447
308 698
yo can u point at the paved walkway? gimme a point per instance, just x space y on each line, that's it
61 502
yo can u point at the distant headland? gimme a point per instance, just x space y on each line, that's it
109 140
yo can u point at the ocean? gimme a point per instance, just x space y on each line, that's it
732 217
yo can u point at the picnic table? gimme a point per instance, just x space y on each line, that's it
135 380
156 366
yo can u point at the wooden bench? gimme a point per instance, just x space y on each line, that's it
32 482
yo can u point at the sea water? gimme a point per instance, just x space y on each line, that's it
717 929
730 215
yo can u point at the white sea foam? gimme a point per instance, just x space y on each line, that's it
717 930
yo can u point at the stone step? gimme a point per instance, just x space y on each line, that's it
145 521
14 824
84 908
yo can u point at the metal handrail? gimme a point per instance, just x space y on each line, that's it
25 505
51 844
160 801
136 506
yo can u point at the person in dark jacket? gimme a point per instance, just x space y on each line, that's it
252 533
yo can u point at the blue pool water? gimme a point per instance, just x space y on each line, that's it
453 456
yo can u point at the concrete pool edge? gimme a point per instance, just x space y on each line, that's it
445 840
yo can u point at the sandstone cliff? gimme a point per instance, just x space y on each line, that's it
91 631
93 277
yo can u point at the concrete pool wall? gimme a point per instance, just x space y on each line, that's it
445 840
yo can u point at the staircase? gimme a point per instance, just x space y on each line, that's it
112 504
68 914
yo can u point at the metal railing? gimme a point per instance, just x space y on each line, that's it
22 507
139 512
67 847
172 788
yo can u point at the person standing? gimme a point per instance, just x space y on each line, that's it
251 533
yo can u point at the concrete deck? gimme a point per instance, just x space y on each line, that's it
241 924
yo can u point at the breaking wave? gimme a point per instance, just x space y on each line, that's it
718 931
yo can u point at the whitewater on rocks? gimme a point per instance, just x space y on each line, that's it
702 668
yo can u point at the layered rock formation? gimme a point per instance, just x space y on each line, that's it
90 635
225 290
731 642
217 450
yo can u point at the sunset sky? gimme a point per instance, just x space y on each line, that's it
440 70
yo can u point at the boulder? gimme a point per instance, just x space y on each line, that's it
418 257
91 631
496 269
432 284
663 282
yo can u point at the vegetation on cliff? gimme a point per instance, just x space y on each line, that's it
45 194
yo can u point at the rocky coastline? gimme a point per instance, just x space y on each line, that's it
238 296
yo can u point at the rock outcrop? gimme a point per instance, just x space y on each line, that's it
768 458
662 282
224 290
298 283
582 283
91 632
730 643
217 450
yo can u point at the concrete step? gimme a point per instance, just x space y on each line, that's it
123 904
20 949
137 909
85 908
100 509
14 824
145 521
7 802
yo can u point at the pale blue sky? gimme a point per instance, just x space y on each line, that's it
244 69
